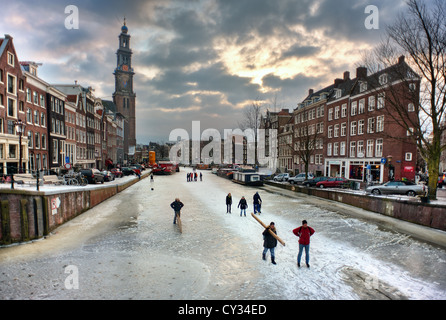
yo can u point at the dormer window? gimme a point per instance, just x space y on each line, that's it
338 93
383 79
363 86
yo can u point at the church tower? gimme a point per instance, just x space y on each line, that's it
124 97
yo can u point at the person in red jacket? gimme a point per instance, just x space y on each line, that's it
304 233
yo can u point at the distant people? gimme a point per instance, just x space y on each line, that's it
269 242
151 181
228 203
177 205
243 205
304 233
201 176
257 203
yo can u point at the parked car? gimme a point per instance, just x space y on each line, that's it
117 173
333 183
282 177
300 178
93 175
312 182
108 176
397 187
127 171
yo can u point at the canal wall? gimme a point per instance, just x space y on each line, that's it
414 211
28 215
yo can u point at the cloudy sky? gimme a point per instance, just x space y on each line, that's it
198 60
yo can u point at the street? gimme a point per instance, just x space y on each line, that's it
128 248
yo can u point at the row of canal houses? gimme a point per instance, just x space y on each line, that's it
47 126
351 129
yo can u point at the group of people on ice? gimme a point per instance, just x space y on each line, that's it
243 204
193 176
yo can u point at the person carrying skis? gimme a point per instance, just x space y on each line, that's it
269 242
304 233
176 206
257 201
243 205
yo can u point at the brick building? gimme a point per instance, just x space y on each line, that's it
12 110
360 137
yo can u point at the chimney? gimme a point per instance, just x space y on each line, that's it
346 75
401 59
310 92
337 82
361 72
75 82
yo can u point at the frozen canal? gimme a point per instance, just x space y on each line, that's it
128 248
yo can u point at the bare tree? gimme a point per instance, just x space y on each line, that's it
251 120
420 35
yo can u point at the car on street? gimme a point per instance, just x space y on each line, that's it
312 182
127 171
300 178
397 187
108 176
282 177
337 182
93 176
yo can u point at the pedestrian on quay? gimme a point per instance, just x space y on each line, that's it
304 233
176 206
269 242
201 176
243 205
228 203
257 201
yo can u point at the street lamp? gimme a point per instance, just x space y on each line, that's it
20 127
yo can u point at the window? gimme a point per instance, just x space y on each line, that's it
336 131
11 84
1 76
371 125
361 108
336 148
411 107
363 86
353 128
330 114
55 151
10 59
370 148
36 98
360 149
344 110
329 149
338 93
12 151
408 156
30 139
21 106
330 131
342 149
371 103
2 102
381 101
37 139
343 129
12 112
336 113
28 95
354 109
353 149
36 117
361 126
380 124
379 148
42 119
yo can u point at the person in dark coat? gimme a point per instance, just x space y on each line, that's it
269 242
176 206
243 205
228 203
257 203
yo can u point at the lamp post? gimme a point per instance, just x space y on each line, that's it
20 127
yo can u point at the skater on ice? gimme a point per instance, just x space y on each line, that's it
269 242
257 203
243 205
176 206
304 233
228 203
